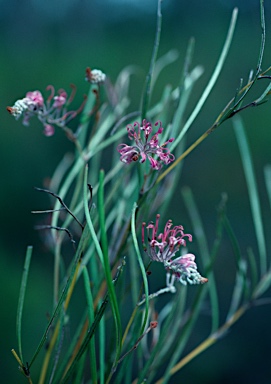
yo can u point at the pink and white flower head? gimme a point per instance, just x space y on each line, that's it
51 113
32 102
36 98
145 146
163 247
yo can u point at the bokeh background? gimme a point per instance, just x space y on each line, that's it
52 42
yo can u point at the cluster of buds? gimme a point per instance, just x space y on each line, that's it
95 76
163 248
146 145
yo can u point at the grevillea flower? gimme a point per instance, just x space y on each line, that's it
53 112
146 145
163 248
95 76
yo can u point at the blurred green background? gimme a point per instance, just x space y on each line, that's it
52 42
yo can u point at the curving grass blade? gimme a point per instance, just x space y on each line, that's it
252 189
21 299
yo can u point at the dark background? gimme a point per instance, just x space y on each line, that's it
52 42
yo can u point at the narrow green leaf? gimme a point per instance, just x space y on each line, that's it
252 189
253 269
79 375
107 270
163 62
147 91
122 85
266 92
21 299
102 350
262 286
241 283
93 368
89 221
267 176
85 116
187 62
58 346
238 291
135 281
185 93
142 269
260 60
233 240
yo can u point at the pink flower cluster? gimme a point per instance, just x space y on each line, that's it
163 247
146 145
53 112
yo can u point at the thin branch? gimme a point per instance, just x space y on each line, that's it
49 210
41 227
62 203
153 325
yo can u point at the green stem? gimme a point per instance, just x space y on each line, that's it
21 299
146 96
107 270
93 368
142 268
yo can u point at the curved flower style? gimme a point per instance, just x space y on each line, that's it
146 146
52 112
163 247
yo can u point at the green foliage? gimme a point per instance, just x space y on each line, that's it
127 333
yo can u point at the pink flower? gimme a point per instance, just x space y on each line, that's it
36 98
49 130
52 113
60 100
163 247
145 147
